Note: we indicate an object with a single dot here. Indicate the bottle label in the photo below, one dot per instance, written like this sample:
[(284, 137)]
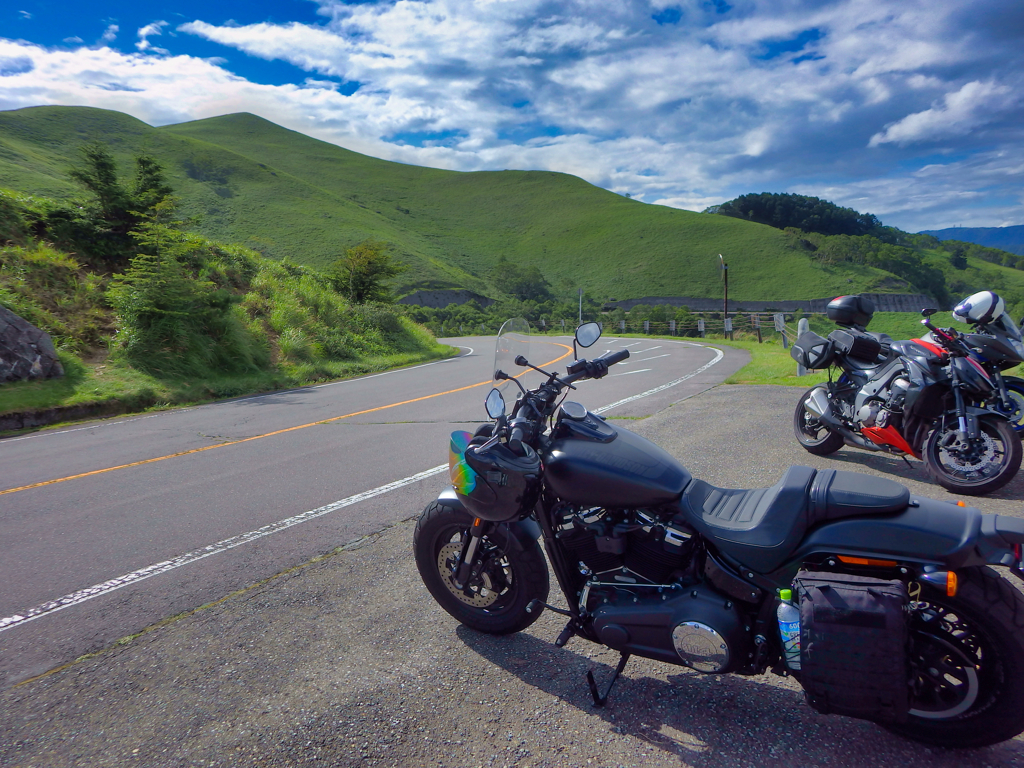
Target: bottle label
[(790, 633)]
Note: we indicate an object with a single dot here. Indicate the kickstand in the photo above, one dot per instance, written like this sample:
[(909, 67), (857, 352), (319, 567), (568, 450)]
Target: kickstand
[(599, 700)]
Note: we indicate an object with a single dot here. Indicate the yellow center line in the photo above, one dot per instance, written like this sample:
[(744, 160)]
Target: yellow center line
[(268, 434)]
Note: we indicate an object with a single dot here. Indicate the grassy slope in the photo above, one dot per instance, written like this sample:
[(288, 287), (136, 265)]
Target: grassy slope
[(292, 196)]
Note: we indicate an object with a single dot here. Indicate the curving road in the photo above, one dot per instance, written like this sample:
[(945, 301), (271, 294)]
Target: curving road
[(111, 526)]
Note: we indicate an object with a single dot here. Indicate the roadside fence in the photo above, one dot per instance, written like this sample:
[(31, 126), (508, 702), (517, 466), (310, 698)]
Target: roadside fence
[(763, 327)]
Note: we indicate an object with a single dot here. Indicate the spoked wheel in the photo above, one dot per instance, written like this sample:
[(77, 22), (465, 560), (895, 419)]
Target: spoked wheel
[(973, 466), (814, 436), (510, 572), (966, 662)]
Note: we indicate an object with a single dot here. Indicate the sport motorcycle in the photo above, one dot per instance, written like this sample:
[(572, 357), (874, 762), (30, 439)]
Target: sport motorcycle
[(884, 606), (995, 342), (929, 398)]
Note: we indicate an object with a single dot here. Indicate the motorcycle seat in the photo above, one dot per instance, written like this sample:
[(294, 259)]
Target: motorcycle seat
[(762, 527)]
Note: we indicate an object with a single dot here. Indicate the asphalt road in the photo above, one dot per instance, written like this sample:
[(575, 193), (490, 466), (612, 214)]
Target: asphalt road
[(348, 662), (111, 526)]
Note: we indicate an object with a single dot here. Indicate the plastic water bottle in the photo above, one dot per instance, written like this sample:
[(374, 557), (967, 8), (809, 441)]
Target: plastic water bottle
[(789, 628)]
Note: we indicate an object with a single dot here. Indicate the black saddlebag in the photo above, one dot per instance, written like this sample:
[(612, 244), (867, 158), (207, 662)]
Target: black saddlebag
[(855, 344), (813, 352), (853, 645)]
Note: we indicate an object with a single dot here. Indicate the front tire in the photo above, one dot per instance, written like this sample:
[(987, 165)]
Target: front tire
[(512, 571), (984, 465), (967, 664), (814, 436)]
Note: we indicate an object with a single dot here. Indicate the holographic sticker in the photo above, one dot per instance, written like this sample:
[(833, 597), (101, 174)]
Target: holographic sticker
[(462, 475)]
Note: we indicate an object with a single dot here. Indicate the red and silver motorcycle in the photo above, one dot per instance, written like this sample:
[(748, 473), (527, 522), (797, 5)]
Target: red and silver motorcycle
[(929, 398)]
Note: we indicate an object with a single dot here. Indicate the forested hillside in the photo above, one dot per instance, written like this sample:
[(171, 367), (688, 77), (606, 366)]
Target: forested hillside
[(832, 235)]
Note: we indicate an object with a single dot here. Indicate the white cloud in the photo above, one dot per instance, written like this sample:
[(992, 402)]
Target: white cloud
[(110, 33), (975, 104), (150, 30)]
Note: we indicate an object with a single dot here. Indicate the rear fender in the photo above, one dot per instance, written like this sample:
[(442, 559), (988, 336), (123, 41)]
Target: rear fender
[(927, 531), (524, 533)]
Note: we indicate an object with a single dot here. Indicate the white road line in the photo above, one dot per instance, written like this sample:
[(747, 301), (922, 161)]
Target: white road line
[(718, 356), (156, 569), (644, 360), (644, 351), (5, 441), (627, 373)]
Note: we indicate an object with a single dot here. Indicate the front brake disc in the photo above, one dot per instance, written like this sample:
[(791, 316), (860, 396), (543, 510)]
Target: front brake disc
[(476, 594)]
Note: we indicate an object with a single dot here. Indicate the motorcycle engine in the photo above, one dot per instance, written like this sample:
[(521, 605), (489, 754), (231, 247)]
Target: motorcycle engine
[(628, 546), (645, 592), (879, 412)]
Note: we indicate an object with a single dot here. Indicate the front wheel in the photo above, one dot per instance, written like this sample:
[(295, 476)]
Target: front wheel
[(814, 436), (973, 466), (966, 663), (510, 571)]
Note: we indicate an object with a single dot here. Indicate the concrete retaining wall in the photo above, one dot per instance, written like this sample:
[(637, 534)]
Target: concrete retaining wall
[(440, 299), (884, 302)]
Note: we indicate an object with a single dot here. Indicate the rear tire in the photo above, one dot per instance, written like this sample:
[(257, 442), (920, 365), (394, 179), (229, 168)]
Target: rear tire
[(986, 465), (814, 436), (512, 572), (967, 663)]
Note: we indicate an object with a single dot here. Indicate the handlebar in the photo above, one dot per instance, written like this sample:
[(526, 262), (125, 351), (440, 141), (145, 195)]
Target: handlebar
[(948, 337), (615, 357), (540, 402), (596, 368)]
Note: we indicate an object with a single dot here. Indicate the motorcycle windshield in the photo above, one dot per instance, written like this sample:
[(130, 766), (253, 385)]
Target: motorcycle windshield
[(1006, 325), (513, 340)]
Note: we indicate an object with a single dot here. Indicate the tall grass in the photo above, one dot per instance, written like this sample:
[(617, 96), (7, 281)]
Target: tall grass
[(52, 291), (190, 320)]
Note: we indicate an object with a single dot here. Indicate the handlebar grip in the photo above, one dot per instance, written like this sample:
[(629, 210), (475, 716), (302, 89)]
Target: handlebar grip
[(515, 441), (615, 357)]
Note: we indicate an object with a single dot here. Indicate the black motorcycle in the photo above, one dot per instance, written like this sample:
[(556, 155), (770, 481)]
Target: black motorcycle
[(928, 398), (882, 605)]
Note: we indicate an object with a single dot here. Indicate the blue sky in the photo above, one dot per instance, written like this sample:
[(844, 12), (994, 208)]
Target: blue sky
[(910, 110)]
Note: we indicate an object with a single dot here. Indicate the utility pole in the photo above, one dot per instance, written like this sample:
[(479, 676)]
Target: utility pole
[(725, 277)]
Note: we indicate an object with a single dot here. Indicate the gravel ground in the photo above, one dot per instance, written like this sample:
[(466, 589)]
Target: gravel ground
[(347, 661)]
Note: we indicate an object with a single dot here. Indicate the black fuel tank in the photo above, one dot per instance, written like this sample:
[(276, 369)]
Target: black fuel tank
[(627, 471)]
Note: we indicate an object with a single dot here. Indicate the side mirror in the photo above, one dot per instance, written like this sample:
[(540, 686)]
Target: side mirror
[(495, 404), (587, 334), (928, 312)]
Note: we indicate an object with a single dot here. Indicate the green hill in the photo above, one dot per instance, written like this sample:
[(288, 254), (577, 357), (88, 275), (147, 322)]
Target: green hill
[(243, 179)]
